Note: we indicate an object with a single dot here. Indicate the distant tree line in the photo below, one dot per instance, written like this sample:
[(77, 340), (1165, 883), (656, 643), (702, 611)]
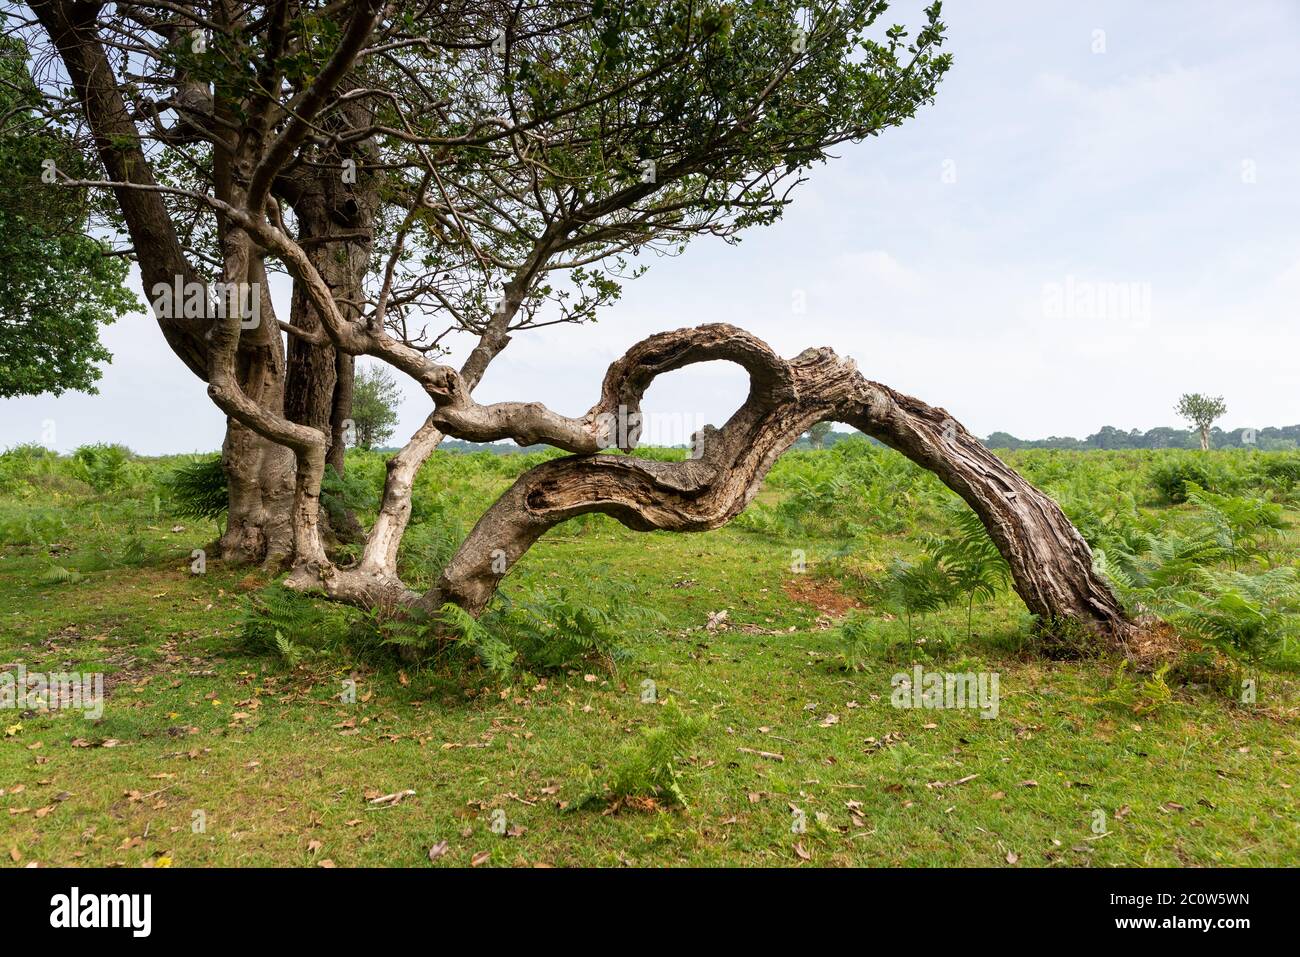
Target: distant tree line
[(1109, 437)]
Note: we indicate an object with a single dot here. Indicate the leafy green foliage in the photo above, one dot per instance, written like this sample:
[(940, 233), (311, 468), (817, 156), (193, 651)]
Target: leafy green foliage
[(817, 434), (555, 628), (1146, 696), (375, 399), (451, 636), (1250, 618), (58, 575), (1201, 411), (647, 767), (280, 621), (1172, 476), (57, 283), (341, 494), (103, 467), (197, 488), (851, 489), (915, 588), (866, 638), (1244, 525), (972, 563)]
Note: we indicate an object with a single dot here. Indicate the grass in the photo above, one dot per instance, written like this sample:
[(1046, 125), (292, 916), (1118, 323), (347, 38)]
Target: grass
[(280, 771)]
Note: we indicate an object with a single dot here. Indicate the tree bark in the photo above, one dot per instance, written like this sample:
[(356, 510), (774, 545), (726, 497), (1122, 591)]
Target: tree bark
[(335, 225), (1051, 564), (260, 477)]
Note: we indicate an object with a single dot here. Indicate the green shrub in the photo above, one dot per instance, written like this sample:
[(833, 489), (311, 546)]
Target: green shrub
[(866, 638), (968, 557), (1171, 476), (197, 488), (350, 492), (1244, 525), (915, 588), (102, 466), (555, 629), (1250, 618)]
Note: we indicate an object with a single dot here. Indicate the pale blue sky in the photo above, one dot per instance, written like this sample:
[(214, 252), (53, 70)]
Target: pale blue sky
[(1162, 174)]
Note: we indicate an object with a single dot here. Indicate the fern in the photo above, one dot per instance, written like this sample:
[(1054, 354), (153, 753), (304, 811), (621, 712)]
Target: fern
[(58, 575), (1243, 525), (341, 494), (278, 618), (864, 639), (972, 563), (917, 588), (290, 652), (477, 637), (1250, 618), (197, 488), (1161, 568), (556, 629), (101, 466), (648, 766)]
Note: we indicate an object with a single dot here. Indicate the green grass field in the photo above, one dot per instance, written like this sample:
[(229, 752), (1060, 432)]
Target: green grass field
[(780, 740)]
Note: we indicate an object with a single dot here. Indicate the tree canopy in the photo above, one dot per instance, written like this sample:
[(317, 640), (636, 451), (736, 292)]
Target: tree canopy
[(1201, 411), (375, 399), (57, 284)]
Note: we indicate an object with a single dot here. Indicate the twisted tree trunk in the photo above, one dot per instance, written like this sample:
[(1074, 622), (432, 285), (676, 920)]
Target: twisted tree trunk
[(1051, 565), (335, 218)]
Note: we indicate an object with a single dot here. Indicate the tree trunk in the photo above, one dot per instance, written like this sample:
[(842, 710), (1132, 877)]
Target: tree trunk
[(1051, 564), (336, 219), (1205, 438), (259, 472), (335, 225), (260, 476)]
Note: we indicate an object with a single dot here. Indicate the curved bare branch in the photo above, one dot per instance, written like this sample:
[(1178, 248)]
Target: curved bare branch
[(1051, 564)]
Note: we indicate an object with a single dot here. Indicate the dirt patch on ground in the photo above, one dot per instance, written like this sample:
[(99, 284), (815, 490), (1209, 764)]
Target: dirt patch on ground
[(1154, 643), (824, 594)]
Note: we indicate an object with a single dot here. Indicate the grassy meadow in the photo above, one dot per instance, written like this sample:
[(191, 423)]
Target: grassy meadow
[(659, 699)]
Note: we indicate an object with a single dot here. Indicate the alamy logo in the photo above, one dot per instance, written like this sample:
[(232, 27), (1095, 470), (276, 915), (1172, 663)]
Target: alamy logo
[(193, 300), (103, 910), (66, 690), (936, 689)]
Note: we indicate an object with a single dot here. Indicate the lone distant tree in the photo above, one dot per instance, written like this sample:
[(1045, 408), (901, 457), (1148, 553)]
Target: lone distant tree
[(1201, 411), (817, 434), (375, 398)]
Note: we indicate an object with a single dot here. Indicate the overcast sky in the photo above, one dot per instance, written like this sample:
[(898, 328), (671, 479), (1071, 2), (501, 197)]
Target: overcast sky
[(1099, 213)]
